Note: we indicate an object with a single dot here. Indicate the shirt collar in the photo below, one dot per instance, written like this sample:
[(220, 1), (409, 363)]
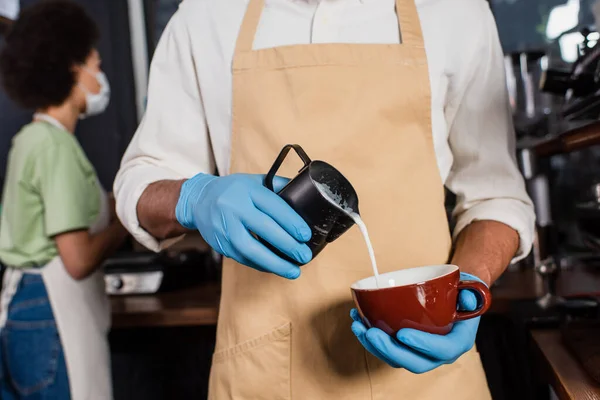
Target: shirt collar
[(51, 120), (317, 1)]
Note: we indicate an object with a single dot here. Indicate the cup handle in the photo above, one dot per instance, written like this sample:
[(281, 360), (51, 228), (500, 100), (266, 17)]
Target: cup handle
[(286, 149), (483, 293)]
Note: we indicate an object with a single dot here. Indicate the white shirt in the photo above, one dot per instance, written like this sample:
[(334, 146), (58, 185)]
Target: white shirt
[(187, 125)]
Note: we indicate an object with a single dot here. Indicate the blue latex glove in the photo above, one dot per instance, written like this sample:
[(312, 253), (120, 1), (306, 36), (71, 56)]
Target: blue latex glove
[(419, 351), (226, 210)]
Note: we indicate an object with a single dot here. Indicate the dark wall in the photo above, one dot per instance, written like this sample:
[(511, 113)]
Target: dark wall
[(12, 118), (103, 137)]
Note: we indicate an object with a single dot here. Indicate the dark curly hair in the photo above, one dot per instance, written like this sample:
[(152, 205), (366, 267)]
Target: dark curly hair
[(41, 48)]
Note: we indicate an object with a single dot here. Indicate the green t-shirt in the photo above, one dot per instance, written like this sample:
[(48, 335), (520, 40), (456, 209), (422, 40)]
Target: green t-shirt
[(50, 188)]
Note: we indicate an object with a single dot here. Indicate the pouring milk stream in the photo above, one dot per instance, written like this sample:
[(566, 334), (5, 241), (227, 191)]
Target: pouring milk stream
[(337, 201)]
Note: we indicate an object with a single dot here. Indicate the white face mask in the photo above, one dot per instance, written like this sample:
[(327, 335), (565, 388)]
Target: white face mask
[(96, 103)]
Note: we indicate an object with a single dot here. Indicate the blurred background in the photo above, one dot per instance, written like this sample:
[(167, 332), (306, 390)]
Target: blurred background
[(163, 331)]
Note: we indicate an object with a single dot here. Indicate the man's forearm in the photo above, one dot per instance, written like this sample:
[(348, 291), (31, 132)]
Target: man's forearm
[(485, 248), (156, 209)]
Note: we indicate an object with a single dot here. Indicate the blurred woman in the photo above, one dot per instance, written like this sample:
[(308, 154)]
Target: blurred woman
[(57, 224)]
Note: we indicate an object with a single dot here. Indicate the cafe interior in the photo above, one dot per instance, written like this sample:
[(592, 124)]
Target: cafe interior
[(540, 338)]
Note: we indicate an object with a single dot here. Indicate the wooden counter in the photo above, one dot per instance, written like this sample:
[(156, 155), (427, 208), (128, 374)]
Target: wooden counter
[(561, 370), (194, 306), (199, 305)]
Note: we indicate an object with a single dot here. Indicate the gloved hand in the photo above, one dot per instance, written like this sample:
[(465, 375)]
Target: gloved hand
[(418, 351), (225, 210)]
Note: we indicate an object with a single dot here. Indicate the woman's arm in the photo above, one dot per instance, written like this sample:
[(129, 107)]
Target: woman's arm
[(67, 189), (82, 252)]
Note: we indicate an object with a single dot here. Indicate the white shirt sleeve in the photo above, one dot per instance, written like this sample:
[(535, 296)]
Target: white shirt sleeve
[(484, 174), (9, 9), (172, 140)]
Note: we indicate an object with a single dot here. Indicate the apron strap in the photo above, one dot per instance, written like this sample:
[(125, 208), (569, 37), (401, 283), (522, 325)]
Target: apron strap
[(406, 11), (247, 33), (410, 23), (10, 284)]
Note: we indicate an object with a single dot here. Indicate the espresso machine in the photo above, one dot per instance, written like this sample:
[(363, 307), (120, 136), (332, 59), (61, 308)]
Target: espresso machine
[(557, 118), (556, 114), (135, 271)]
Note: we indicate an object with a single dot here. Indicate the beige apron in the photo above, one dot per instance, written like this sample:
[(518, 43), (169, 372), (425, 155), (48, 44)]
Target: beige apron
[(82, 313), (364, 108)]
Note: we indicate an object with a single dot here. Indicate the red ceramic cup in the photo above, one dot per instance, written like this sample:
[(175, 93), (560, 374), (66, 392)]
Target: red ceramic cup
[(423, 298)]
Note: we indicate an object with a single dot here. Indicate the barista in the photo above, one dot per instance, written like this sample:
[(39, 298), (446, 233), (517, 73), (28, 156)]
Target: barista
[(402, 99), (57, 224)]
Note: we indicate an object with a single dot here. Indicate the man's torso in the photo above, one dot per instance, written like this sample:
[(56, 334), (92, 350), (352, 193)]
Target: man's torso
[(213, 27)]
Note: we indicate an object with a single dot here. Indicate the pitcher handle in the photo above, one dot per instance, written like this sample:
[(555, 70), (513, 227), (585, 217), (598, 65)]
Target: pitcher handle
[(271, 174)]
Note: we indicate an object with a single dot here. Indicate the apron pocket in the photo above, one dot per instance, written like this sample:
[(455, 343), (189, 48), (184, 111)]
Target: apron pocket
[(258, 369)]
